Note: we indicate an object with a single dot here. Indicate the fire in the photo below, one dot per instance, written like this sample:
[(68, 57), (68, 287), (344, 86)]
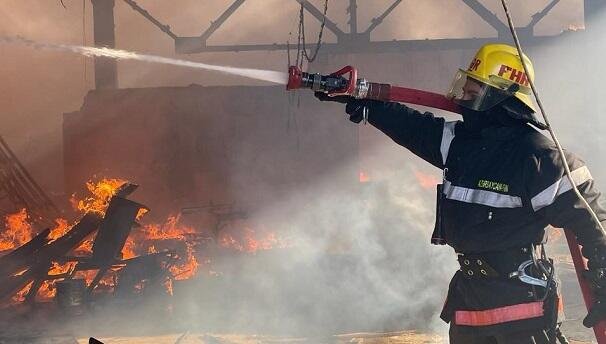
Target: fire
[(364, 177), (59, 269), (140, 213), (20, 295), (178, 239), (426, 181), (18, 231), (188, 269), (172, 229), (61, 228), (128, 251), (86, 248), (101, 192), (250, 244), (47, 290)]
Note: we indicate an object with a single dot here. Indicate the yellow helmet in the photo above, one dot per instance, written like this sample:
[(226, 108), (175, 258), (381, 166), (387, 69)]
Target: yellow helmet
[(495, 74)]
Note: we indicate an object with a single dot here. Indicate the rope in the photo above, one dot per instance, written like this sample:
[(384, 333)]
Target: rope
[(544, 114)]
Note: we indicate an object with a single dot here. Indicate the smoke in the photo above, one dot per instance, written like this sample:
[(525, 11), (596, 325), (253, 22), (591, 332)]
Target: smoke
[(571, 86), (360, 261)]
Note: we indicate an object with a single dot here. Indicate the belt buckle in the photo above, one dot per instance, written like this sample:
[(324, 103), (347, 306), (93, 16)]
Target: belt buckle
[(525, 278)]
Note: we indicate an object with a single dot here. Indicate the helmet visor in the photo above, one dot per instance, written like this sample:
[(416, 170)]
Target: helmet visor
[(477, 95)]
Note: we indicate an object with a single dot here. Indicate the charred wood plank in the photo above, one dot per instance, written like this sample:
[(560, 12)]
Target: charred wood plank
[(114, 230), (24, 255), (97, 278), (33, 291), (44, 257), (12, 284), (126, 189), (87, 225), (119, 218)]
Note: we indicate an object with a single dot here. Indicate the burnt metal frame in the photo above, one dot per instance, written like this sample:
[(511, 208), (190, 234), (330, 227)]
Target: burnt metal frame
[(353, 41), (22, 191)]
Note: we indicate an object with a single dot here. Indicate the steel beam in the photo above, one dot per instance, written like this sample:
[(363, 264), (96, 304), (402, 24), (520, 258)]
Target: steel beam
[(106, 69), (374, 22), (353, 16), (152, 19), (354, 41), (540, 15), (488, 16), (190, 45), (215, 25), (332, 26)]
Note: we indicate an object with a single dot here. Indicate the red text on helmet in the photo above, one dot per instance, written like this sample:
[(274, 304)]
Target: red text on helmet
[(474, 64), (515, 75)]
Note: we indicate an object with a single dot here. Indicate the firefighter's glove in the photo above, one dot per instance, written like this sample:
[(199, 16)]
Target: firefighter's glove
[(354, 107), (324, 97), (597, 280), (596, 314)]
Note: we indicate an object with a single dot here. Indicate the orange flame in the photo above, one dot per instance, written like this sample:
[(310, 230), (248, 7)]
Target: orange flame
[(426, 181), (85, 248), (61, 228), (142, 241), (48, 290), (251, 244), (101, 192), (171, 229), (128, 251), (18, 231), (364, 177), (21, 294)]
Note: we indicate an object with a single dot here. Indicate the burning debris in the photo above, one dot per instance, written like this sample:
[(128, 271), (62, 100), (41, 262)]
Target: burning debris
[(107, 250)]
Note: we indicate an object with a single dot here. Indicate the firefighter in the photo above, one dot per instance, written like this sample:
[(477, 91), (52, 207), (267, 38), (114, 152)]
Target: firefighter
[(504, 183)]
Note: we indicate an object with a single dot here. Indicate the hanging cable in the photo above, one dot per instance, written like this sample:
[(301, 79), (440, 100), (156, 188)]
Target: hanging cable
[(546, 120), (301, 44)]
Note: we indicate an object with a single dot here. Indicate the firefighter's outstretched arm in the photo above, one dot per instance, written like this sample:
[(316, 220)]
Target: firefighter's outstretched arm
[(421, 133), (552, 197)]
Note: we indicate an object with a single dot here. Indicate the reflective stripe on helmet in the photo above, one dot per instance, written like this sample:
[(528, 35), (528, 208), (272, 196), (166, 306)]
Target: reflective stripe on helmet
[(447, 135), (499, 315), (484, 197), (549, 195)]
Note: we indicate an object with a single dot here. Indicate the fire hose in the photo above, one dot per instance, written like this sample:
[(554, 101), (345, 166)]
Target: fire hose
[(336, 84)]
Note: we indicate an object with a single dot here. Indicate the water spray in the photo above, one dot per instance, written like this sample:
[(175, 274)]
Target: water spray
[(256, 74)]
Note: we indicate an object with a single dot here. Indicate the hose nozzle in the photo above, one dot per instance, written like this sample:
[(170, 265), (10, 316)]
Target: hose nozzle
[(334, 83)]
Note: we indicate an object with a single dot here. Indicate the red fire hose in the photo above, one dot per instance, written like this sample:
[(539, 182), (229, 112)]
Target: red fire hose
[(336, 84)]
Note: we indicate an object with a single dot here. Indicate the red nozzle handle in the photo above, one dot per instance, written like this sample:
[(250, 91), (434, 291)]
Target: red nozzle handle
[(351, 85), (295, 77)]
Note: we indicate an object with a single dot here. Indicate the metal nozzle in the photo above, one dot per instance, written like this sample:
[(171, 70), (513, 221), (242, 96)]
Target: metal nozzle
[(317, 82)]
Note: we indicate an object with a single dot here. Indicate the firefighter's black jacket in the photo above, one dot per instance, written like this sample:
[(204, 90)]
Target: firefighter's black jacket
[(503, 185)]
